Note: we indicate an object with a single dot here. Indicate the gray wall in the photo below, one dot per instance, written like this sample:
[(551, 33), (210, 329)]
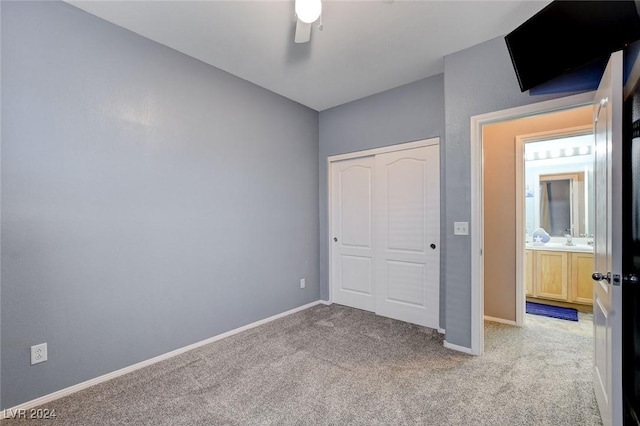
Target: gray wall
[(407, 113), (477, 80), (149, 201)]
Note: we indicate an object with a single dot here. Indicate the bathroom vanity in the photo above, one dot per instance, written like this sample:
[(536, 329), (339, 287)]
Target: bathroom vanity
[(561, 273)]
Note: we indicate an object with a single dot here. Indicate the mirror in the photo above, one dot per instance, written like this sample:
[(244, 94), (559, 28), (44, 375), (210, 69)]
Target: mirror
[(561, 204), (559, 186)]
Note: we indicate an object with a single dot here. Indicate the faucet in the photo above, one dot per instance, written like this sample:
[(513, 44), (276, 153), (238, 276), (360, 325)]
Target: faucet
[(569, 237), (589, 238)]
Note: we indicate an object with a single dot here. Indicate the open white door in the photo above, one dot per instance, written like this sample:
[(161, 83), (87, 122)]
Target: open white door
[(407, 200), (607, 300)]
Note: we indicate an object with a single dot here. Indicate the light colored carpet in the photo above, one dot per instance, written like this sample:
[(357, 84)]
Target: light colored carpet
[(332, 365)]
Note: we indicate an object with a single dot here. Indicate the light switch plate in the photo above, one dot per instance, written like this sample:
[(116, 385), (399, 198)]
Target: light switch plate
[(460, 228)]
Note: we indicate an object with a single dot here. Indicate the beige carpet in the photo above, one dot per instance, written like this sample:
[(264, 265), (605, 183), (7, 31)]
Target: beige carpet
[(332, 365)]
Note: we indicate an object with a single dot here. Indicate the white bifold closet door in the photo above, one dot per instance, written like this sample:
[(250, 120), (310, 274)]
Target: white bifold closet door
[(386, 230)]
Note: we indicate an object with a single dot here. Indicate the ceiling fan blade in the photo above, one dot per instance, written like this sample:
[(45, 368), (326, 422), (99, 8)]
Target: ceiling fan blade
[(303, 32)]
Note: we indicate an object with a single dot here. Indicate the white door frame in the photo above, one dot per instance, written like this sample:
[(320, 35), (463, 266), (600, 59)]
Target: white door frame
[(365, 153), (477, 197), (520, 172)]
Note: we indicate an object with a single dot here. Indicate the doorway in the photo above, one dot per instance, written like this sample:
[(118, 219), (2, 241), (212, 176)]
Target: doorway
[(384, 210), (508, 198), (555, 203), (478, 215)]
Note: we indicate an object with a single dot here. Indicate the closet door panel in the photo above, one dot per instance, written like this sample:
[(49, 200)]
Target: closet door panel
[(352, 232), (407, 235)]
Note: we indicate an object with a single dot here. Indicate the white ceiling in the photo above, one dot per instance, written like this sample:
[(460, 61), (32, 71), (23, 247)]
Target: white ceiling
[(366, 46)]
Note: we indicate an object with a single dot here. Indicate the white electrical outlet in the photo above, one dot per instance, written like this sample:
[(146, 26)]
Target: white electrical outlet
[(303, 283), (460, 228), (38, 353)]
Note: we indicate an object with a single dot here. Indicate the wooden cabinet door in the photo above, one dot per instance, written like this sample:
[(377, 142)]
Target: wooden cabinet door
[(581, 282), (551, 273), (528, 272)]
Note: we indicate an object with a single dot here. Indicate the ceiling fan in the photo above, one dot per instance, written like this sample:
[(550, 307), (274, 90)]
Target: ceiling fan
[(307, 12)]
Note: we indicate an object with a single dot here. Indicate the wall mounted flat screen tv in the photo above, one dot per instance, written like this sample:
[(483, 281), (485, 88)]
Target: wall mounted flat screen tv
[(566, 35)]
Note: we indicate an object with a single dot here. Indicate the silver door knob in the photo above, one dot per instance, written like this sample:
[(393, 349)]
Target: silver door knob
[(597, 276)]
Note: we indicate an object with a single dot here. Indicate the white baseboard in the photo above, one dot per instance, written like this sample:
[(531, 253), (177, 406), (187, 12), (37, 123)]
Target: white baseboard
[(442, 331), (458, 348), (325, 302), (80, 386), (500, 320)]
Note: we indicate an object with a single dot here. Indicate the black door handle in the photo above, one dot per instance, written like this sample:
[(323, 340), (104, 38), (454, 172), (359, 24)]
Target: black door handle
[(597, 276), (433, 246)]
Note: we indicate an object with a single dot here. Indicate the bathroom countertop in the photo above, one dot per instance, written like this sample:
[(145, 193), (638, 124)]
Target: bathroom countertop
[(580, 248)]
